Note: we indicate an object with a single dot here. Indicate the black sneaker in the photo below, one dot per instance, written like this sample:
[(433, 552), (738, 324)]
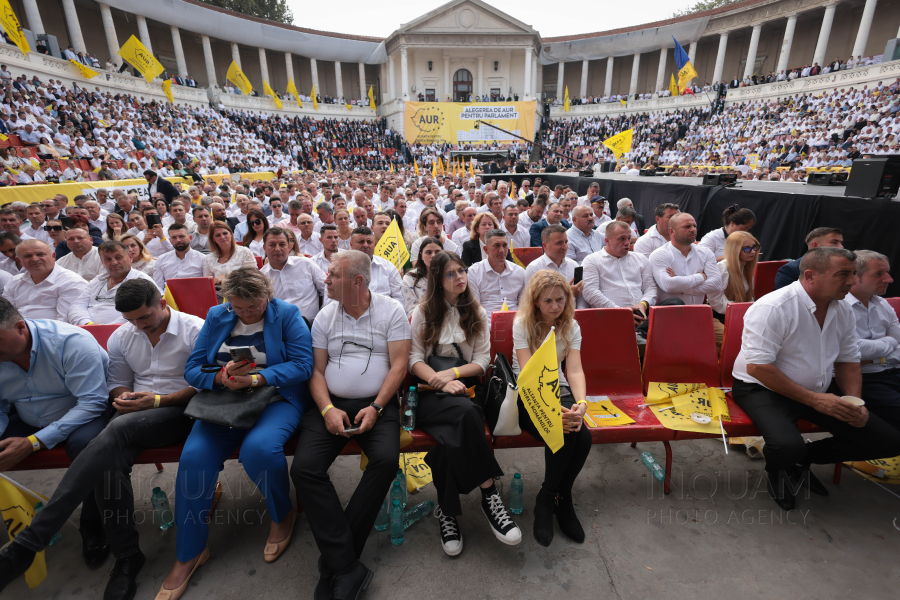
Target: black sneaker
[(501, 523), (451, 537), (14, 561)]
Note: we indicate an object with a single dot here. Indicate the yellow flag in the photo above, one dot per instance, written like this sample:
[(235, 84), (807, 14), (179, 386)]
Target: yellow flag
[(624, 103), (237, 77), (292, 90), (3, 137), (348, 105), (392, 167), (170, 299), (167, 90), (620, 143), (86, 72), (329, 164), (433, 168), (17, 505), (566, 100), (391, 246), (505, 307), (315, 102), (371, 98), (12, 28), (514, 257), (416, 165), (140, 58), (267, 90), (472, 167), (539, 391), (673, 87)]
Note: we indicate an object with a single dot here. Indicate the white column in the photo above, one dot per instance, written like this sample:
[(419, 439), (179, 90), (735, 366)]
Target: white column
[(661, 71), (339, 79), (112, 40), (479, 86), (607, 85), (33, 15), (561, 68), (179, 51), (785, 55), (585, 64), (751, 51), (824, 34), (144, 33), (692, 53), (391, 91), (314, 69), (865, 25), (236, 55), (635, 68), (363, 88), (208, 59), (264, 67), (448, 85), (404, 73), (76, 39), (720, 58), (289, 68), (526, 89), (534, 80)]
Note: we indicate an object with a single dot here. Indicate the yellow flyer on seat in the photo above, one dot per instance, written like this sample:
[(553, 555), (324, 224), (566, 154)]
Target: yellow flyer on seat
[(673, 419), (604, 413), (664, 392), (674, 403)]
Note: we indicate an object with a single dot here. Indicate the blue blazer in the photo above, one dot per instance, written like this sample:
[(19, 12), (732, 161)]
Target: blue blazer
[(288, 350)]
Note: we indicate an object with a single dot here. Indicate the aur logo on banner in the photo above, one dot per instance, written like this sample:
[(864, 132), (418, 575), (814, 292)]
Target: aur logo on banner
[(428, 120)]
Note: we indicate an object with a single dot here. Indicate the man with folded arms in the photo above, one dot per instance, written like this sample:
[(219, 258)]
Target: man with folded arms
[(54, 374), (496, 280), (96, 304), (295, 279), (795, 341), (183, 262), (361, 346), (148, 392), (45, 290), (84, 259)]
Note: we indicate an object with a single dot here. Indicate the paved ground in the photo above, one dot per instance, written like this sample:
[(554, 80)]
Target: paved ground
[(718, 535)]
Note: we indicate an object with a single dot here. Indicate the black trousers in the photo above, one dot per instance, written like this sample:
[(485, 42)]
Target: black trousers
[(881, 391), (341, 534), (462, 459), (776, 417), (560, 469)]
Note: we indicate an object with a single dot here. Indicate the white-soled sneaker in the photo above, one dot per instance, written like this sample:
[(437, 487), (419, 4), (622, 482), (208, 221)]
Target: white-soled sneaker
[(451, 536), (502, 524)]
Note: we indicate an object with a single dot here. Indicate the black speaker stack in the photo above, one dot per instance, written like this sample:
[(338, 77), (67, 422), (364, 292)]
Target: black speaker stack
[(724, 179), (875, 177)]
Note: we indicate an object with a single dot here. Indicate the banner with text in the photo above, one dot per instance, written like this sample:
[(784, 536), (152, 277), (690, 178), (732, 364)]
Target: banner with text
[(460, 122)]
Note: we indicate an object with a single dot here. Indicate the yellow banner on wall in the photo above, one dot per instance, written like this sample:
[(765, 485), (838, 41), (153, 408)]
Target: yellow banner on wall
[(458, 122)]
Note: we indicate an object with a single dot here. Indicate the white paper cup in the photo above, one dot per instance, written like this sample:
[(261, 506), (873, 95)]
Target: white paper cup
[(854, 400)]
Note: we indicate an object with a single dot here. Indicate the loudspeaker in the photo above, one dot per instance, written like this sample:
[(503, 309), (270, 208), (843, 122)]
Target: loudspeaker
[(647, 173), (606, 166), (877, 177), (719, 179), (817, 178)]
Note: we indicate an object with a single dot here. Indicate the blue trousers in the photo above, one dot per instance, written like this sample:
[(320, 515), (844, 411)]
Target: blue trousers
[(204, 455)]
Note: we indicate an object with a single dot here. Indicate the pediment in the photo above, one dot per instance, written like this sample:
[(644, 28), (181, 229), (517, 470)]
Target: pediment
[(466, 16)]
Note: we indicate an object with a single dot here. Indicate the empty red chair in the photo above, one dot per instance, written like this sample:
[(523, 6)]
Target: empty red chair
[(764, 277), (681, 346), (527, 255), (14, 139), (731, 342), (193, 295), (501, 334), (101, 333), (895, 304)]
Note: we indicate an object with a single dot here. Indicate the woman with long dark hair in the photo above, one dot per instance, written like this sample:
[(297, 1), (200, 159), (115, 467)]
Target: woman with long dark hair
[(257, 224), (415, 282)]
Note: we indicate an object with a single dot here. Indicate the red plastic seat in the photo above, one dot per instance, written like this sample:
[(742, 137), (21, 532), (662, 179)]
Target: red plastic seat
[(731, 343), (501, 334), (14, 140), (681, 346), (101, 333), (895, 304), (193, 295), (764, 277), (259, 262), (527, 255)]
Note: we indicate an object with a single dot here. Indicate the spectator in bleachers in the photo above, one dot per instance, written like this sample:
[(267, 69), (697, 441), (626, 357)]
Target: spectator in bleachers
[(385, 279), (584, 239), (737, 269), (295, 279), (224, 256), (548, 302), (450, 324), (200, 237), (45, 290), (141, 259), (83, 258), (56, 232), (307, 239), (10, 262), (820, 237), (555, 242), (496, 280), (431, 224), (415, 282), (795, 340), (115, 227), (159, 185), (734, 219), (182, 262), (657, 236), (473, 250), (879, 336)]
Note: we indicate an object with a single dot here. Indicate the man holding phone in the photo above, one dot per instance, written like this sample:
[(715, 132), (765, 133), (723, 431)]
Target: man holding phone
[(155, 236)]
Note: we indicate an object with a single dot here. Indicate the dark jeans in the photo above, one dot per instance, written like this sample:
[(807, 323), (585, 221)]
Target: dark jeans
[(642, 328), (881, 391), (776, 417), (102, 472), (77, 441), (341, 534)]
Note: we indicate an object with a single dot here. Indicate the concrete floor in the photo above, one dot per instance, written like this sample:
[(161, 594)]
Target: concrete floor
[(717, 535)]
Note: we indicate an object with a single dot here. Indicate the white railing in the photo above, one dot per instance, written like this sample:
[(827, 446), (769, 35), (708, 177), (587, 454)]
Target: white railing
[(267, 104)]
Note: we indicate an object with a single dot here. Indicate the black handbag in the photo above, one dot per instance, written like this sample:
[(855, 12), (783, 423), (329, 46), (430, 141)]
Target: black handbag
[(445, 363), (237, 409), (501, 399)]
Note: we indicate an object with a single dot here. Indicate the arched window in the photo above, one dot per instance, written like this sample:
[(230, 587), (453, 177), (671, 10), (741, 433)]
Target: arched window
[(462, 85)]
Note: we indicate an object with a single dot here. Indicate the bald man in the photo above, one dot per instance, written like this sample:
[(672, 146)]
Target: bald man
[(45, 290)]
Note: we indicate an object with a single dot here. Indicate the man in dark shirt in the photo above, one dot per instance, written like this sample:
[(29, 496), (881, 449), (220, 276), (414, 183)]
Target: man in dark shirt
[(819, 237)]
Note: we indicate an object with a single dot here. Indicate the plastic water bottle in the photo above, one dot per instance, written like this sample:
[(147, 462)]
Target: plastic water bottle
[(421, 510), (396, 523), (516, 490), (650, 462), (38, 508), (409, 410), (382, 520), (160, 503), (404, 491)]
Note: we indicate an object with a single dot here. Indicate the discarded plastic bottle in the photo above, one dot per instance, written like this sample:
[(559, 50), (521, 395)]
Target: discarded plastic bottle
[(382, 520), (404, 498), (160, 503), (420, 510), (396, 523), (516, 490), (650, 462), (409, 409), (38, 508)]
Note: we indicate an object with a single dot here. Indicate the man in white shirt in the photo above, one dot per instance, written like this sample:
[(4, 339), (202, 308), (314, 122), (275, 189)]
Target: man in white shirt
[(519, 237), (295, 279), (95, 214), (385, 276), (879, 336), (658, 235), (45, 290), (555, 242), (496, 281), (200, 237), (183, 262), (328, 235), (584, 240), (83, 259), (795, 340), (96, 304), (307, 240), (36, 220)]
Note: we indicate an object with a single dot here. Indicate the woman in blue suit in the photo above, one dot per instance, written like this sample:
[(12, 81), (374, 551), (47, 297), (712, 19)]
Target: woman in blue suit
[(282, 351)]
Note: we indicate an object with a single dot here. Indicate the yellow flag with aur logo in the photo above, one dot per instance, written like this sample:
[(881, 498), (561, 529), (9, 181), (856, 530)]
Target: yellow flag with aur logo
[(17, 507), (237, 77), (539, 391), (620, 143), (268, 91), (292, 90), (167, 90), (86, 72), (137, 55), (12, 27), (392, 248)]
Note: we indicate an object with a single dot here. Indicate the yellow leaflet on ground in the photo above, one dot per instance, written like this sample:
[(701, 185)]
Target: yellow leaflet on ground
[(663, 392), (17, 507), (405, 440), (891, 468), (418, 474), (673, 419), (606, 414)]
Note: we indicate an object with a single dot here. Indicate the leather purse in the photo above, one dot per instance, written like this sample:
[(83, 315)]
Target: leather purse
[(237, 409), (444, 363), (501, 408)]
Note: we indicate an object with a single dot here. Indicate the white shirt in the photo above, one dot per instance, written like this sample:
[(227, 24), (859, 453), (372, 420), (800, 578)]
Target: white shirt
[(386, 279), (581, 246), (714, 241), (649, 242), (449, 246), (49, 299), (310, 246), (169, 266), (141, 367), (88, 266), (520, 239), (9, 265), (520, 342), (718, 300), (879, 332), (611, 282), (491, 288), (781, 329), (688, 283), (97, 304), (323, 263), (566, 269), (300, 282)]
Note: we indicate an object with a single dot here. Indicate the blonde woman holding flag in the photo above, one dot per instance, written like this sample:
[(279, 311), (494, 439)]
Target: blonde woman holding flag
[(548, 304)]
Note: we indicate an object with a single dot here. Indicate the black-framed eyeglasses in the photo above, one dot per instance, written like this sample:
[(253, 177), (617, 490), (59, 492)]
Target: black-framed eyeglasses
[(749, 249), (53, 227)]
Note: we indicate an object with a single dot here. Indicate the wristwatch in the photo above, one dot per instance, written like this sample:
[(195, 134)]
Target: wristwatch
[(378, 409)]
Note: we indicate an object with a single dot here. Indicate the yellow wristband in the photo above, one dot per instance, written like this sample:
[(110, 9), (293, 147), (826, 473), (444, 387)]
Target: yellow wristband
[(882, 360), (456, 370), (35, 444), (254, 381), (327, 408), (581, 402), (156, 400)]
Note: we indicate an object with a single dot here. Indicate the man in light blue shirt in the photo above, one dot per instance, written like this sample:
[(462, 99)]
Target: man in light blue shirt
[(54, 374)]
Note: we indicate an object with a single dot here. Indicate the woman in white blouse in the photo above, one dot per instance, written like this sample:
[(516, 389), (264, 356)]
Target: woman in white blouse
[(450, 324), (257, 224), (224, 256), (415, 283), (738, 267), (342, 219), (734, 219)]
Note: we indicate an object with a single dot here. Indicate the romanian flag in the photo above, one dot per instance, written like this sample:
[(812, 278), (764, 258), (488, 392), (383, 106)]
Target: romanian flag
[(686, 71), (566, 100)]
